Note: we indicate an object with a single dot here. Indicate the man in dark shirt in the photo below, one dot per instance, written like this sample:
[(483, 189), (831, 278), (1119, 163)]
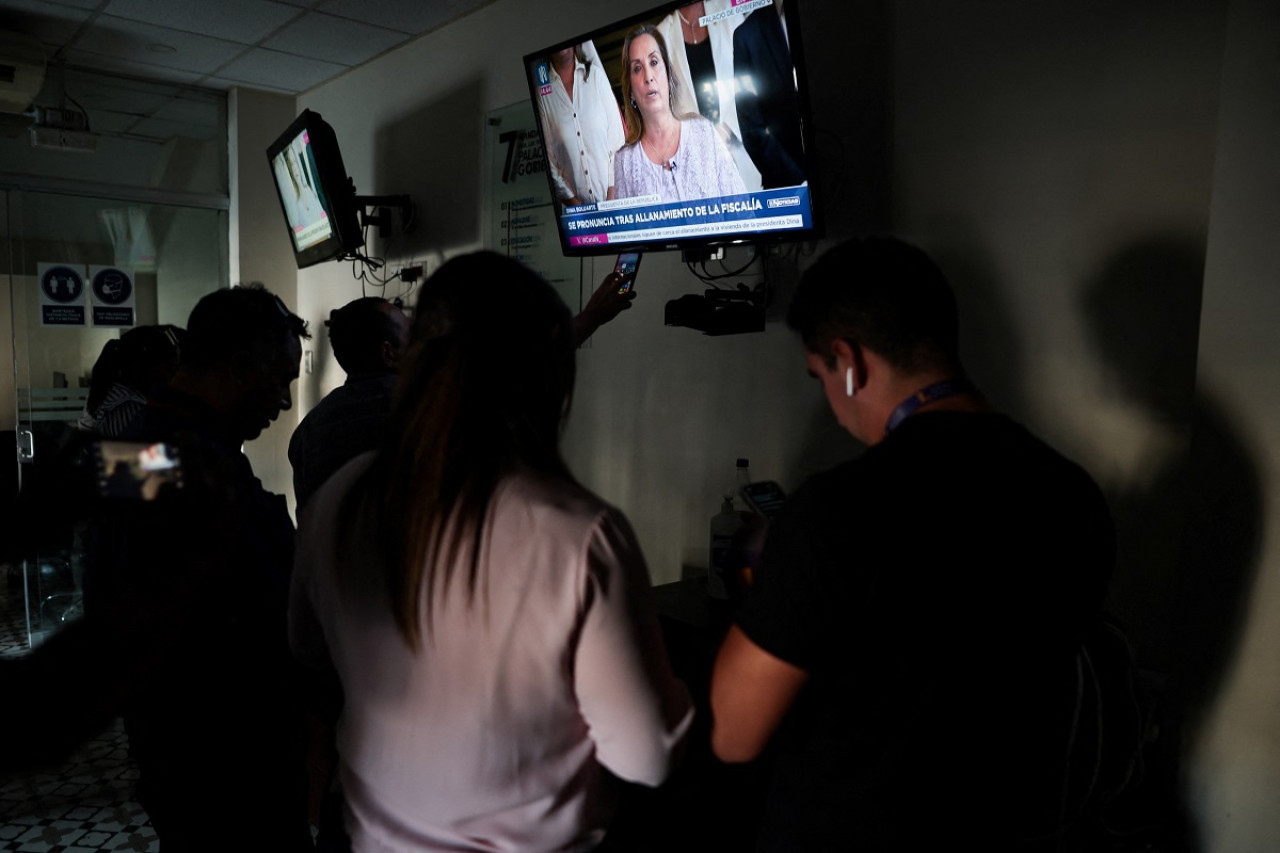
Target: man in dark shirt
[(910, 640), (212, 705), (368, 336)]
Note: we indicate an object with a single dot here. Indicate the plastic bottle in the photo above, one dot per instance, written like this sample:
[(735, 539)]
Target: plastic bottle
[(724, 528), (743, 478)]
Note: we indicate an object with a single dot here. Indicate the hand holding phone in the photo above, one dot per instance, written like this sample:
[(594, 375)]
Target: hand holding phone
[(765, 497), (136, 471), (611, 298), (627, 265)]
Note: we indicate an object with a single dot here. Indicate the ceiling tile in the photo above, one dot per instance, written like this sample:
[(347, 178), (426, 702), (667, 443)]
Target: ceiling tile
[(132, 95), (130, 40), (208, 34), (279, 70), (111, 122), (161, 129), (334, 39), (202, 110), (412, 18), (225, 83), (120, 65), (241, 21)]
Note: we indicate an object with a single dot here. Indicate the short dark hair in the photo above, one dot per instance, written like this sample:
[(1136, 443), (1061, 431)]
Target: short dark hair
[(357, 330), (884, 294), (234, 321)]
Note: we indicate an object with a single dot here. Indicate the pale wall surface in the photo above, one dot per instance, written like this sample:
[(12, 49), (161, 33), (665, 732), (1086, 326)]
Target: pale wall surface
[(1237, 772)]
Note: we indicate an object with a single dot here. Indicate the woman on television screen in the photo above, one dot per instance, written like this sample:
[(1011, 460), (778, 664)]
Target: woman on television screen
[(489, 618), (674, 158)]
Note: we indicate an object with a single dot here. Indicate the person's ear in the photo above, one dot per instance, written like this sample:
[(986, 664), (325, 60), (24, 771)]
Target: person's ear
[(390, 354), (852, 362)]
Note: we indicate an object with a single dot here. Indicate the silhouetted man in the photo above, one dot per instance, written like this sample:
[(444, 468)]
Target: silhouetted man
[(909, 643), (212, 706), (368, 336)]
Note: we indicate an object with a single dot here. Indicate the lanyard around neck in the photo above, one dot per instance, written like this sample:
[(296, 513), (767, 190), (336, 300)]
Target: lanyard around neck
[(936, 391)]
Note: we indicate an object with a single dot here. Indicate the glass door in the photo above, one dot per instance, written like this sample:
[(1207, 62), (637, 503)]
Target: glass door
[(80, 271), (14, 633)]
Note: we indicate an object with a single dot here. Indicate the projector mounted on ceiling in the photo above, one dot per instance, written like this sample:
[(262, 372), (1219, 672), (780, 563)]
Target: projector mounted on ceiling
[(65, 130)]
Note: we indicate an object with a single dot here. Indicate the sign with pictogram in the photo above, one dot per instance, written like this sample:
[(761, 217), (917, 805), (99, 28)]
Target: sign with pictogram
[(112, 296), (61, 294)]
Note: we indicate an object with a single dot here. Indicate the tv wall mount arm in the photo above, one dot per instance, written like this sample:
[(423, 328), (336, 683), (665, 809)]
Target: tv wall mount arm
[(382, 217)]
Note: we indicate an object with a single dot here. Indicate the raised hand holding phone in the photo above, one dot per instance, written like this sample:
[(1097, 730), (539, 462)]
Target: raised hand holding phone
[(611, 298), (627, 265)]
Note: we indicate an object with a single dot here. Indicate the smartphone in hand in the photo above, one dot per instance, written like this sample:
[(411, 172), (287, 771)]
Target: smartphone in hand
[(765, 497), (628, 263), (137, 471)]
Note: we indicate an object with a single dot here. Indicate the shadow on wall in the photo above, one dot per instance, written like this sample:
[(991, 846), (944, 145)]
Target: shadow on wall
[(1189, 533), (434, 153), (990, 348)]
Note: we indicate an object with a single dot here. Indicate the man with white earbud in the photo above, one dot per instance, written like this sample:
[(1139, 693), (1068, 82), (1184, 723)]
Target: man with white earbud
[(909, 645)]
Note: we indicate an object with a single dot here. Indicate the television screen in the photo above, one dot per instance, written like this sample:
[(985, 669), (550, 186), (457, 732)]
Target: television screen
[(315, 193), (682, 127)]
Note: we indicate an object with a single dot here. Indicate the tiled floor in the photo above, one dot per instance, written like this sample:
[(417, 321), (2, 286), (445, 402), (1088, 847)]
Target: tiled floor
[(85, 804)]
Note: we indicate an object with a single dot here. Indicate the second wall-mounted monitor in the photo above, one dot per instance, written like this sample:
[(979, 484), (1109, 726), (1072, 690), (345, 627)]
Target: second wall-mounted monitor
[(315, 192), (684, 127)]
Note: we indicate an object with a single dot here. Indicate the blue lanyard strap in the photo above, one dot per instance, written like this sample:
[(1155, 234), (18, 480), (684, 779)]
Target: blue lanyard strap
[(936, 391)]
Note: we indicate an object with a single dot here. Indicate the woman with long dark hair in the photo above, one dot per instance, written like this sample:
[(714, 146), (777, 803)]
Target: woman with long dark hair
[(489, 619)]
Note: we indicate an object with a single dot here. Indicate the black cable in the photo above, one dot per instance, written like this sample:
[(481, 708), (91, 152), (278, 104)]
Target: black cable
[(372, 264), (711, 278), (83, 111), (1060, 831), (755, 256), (703, 276)]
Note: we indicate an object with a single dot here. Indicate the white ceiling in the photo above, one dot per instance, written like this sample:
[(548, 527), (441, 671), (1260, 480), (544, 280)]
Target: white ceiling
[(286, 46)]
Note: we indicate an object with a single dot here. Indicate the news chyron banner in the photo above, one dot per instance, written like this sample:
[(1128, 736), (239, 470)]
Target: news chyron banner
[(645, 218), (62, 301), (112, 296), (523, 219)]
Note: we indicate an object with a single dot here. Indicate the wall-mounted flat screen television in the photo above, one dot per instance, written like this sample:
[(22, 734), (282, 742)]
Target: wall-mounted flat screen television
[(687, 126), (316, 195)]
